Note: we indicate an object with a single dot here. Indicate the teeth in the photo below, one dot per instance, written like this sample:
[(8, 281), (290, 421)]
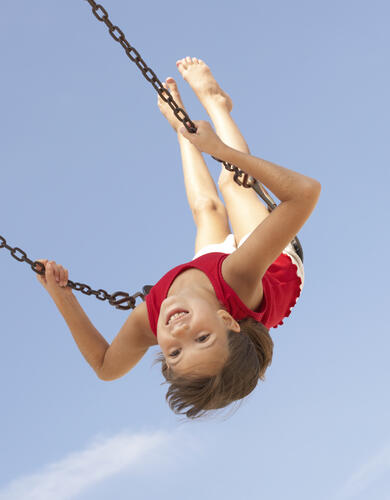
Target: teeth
[(177, 315)]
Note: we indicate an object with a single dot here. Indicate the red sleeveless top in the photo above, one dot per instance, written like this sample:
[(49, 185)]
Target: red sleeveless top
[(281, 286)]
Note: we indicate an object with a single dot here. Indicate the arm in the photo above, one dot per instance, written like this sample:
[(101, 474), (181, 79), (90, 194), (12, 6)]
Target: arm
[(92, 344), (108, 361), (283, 182), (298, 194)]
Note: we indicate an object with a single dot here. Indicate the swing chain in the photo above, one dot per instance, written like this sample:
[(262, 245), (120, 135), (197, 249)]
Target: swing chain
[(117, 34), (248, 181), (121, 300)]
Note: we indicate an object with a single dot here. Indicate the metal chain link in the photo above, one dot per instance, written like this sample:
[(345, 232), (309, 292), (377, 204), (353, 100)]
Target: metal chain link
[(117, 34), (123, 300)]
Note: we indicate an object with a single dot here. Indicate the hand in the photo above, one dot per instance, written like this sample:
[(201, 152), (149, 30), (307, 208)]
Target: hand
[(204, 139), (55, 278)]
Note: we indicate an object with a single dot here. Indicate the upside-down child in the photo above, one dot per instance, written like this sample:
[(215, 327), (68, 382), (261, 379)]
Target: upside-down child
[(210, 316)]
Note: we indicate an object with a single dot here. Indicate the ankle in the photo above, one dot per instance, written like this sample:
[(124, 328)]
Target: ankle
[(216, 103)]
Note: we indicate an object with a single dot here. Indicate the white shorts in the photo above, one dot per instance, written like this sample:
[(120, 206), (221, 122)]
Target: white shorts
[(229, 246)]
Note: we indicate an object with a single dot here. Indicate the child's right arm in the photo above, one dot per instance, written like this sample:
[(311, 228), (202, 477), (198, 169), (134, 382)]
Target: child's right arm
[(108, 361)]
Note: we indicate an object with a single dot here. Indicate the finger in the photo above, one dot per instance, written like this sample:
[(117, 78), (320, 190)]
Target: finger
[(50, 270), (62, 276), (58, 273), (54, 268), (63, 280)]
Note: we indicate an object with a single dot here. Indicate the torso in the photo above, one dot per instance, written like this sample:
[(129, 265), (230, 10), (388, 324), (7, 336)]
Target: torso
[(251, 298)]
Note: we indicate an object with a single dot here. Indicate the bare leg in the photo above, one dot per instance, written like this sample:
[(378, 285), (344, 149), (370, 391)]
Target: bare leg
[(245, 209), (209, 212)]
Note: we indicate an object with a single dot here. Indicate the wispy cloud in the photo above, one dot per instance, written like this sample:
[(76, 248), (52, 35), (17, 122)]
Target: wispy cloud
[(102, 459), (367, 474)]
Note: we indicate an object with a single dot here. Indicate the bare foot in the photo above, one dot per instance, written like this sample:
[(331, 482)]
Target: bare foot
[(165, 109), (199, 76)]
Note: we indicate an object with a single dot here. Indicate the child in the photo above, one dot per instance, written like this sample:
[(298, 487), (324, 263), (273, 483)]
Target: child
[(209, 316)]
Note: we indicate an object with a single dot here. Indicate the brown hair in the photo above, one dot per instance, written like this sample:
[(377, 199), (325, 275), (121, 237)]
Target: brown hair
[(250, 353)]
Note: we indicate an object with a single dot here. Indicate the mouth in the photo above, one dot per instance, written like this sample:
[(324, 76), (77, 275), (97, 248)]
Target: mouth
[(171, 318)]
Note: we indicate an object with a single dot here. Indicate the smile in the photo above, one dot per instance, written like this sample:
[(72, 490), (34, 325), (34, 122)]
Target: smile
[(175, 315)]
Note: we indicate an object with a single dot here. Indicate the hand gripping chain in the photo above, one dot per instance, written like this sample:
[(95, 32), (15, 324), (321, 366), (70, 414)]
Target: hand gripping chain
[(123, 300)]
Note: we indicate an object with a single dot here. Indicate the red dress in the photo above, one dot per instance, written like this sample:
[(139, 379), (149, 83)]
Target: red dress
[(281, 286)]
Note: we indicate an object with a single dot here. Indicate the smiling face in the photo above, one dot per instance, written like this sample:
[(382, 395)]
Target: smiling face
[(196, 342)]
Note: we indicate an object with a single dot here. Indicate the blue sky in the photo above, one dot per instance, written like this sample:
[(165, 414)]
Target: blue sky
[(91, 178)]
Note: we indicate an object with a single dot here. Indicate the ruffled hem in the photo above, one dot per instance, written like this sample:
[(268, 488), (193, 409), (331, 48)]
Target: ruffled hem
[(299, 290)]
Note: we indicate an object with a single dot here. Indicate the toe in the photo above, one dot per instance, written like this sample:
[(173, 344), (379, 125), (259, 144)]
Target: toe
[(172, 85), (173, 90), (195, 60), (189, 60), (181, 65)]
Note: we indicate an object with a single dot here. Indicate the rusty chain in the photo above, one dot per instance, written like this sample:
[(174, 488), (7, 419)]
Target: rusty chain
[(117, 299), (117, 34), (123, 300)]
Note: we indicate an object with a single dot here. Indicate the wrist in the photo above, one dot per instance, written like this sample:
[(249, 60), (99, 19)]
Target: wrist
[(223, 152), (61, 296)]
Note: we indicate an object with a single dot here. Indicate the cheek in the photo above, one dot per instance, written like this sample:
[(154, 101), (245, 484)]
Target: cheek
[(162, 339), (160, 327)]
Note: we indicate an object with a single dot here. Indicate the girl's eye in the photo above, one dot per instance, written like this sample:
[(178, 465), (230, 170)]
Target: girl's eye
[(203, 338), (174, 353)]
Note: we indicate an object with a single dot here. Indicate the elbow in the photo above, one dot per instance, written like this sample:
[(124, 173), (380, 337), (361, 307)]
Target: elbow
[(103, 375), (316, 186), (101, 369), (311, 190), (108, 375)]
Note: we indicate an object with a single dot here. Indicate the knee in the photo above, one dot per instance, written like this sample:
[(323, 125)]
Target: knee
[(225, 181), (205, 206)]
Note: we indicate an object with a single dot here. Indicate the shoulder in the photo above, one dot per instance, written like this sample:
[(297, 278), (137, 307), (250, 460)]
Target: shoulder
[(250, 293), (139, 317)]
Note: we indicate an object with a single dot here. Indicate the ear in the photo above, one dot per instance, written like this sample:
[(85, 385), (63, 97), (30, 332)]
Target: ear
[(229, 321)]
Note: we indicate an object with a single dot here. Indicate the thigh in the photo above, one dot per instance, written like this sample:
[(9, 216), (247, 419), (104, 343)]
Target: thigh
[(245, 209), (212, 226)]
